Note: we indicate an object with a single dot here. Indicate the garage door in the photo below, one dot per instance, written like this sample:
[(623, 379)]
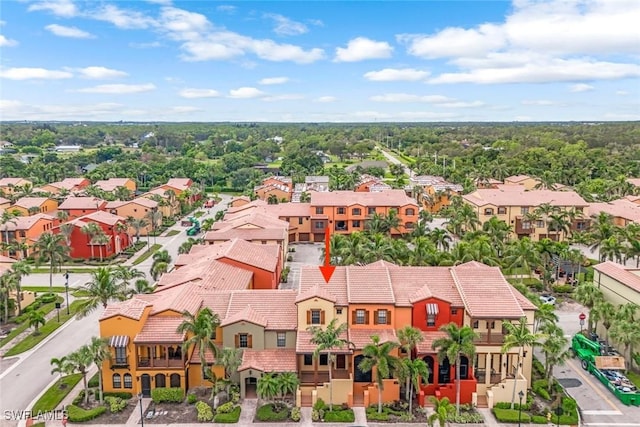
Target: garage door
[(303, 237)]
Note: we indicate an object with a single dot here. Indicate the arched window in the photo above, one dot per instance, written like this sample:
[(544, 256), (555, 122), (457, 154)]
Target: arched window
[(410, 212), (128, 383), (174, 380), (117, 381), (359, 375), (161, 380), (429, 361)]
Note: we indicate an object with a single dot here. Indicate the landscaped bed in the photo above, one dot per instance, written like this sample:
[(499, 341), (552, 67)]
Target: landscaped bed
[(276, 413), (116, 409)]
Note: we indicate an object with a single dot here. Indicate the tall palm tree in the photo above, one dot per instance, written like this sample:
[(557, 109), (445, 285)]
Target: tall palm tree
[(99, 352), (199, 329), (122, 193), (161, 261), (326, 340), (60, 365), (80, 360), (103, 287), (379, 355), (231, 359), (554, 347), (588, 294), (36, 318), (154, 217), (522, 254), (409, 338), (544, 315), (91, 229), (126, 274), (100, 240), (458, 342), (62, 216), (141, 286), (268, 387), (66, 230), (518, 335), (137, 224), (50, 248), (603, 311), (417, 372), (19, 269), (7, 284)]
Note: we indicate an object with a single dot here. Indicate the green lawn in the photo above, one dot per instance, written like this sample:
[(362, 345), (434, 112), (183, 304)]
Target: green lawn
[(44, 289), (172, 233), (76, 270), (142, 258), (47, 329), (54, 395), (198, 214), (634, 377), (44, 309)]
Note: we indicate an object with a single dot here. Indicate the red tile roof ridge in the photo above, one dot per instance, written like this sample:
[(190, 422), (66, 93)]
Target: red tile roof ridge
[(315, 291), (248, 314), (269, 360), (132, 308)]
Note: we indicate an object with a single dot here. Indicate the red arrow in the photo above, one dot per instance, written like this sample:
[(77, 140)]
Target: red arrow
[(327, 269)]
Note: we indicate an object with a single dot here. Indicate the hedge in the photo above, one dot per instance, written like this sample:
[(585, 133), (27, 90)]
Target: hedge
[(121, 394), (76, 414), (266, 413), (510, 415), (205, 413), (94, 381), (339, 416), (228, 418), (173, 395)]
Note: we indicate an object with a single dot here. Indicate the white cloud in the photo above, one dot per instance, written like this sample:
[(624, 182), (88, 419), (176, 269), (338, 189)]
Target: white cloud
[(539, 102), (198, 93), (246, 93), (148, 45), (580, 87), (184, 109), (63, 8), (326, 99), (452, 42), (118, 89), (285, 26), (5, 42), (439, 100), (622, 93), (100, 73), (16, 110), (73, 32), (362, 48), (392, 74), (182, 25), (286, 97), (34, 74), (226, 8), (273, 80), (122, 18)]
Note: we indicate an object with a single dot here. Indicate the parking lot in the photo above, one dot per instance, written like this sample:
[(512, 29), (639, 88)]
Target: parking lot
[(305, 254)]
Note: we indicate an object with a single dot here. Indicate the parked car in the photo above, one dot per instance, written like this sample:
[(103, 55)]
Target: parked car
[(548, 299)]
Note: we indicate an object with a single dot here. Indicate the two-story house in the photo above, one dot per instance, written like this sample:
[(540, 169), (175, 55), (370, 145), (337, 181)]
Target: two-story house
[(76, 207), (34, 205), (26, 230), (138, 208), (111, 240)]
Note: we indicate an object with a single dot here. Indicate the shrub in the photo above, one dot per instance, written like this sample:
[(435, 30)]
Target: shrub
[(125, 395), (339, 416), (225, 408), (563, 289), (466, 418), (94, 381), (295, 414), (539, 419), (173, 395), (510, 415), (540, 388), (266, 413), (319, 404), (191, 398), (76, 414), (205, 413), (516, 406), (116, 404), (373, 415), (47, 298), (79, 398), (538, 367), (228, 418)]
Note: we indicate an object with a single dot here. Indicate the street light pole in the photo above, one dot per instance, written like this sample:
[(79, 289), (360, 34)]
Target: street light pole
[(520, 395), (141, 411), (66, 288)]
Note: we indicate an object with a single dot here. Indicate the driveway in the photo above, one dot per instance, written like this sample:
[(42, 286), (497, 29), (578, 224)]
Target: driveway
[(305, 254)]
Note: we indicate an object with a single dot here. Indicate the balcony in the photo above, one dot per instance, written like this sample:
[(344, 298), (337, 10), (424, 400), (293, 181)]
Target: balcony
[(524, 227), (120, 362), (159, 362), (481, 376), (309, 377), (490, 338)]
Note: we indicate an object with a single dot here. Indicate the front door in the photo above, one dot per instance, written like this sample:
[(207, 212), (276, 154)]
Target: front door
[(145, 380), (341, 361)]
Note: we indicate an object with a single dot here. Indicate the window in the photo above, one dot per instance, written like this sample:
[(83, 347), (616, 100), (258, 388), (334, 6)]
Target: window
[(381, 317), (316, 317), (214, 334), (356, 211), (282, 339), (410, 212), (117, 381), (308, 359), (300, 221), (409, 225), (287, 219), (488, 211), (431, 319), (454, 311), (355, 223), (121, 355), (319, 225), (264, 242), (319, 210), (580, 225), (128, 383), (341, 211), (475, 324), (324, 359), (526, 225), (244, 341), (502, 211), (360, 317), (539, 224), (491, 325), (524, 210), (338, 311), (371, 211)]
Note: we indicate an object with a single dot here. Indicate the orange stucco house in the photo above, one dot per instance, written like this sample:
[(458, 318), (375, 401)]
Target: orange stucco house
[(9, 185), (109, 185), (76, 207), (42, 204), (26, 229), (69, 184), (138, 208)]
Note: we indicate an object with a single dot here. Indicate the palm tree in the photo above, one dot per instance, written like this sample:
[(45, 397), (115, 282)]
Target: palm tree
[(442, 409), (326, 340), (60, 366), (18, 270), (199, 329), (287, 384), (141, 286), (7, 284), (122, 193), (626, 333), (555, 350), (66, 230), (103, 287), (376, 224), (36, 318), (409, 338), (378, 355), (161, 261), (126, 274), (231, 359), (305, 197), (589, 295), (7, 217), (62, 216), (272, 199), (458, 342), (604, 312), (267, 387), (518, 335), (522, 254), (91, 229), (80, 360), (137, 224), (49, 248), (155, 218), (99, 351), (544, 315), (100, 240), (417, 372)]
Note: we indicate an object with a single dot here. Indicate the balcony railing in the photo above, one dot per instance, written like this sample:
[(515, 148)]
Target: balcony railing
[(309, 377), (494, 338), (120, 362), (160, 362)]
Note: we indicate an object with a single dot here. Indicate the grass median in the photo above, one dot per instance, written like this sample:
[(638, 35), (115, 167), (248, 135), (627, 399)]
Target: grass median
[(172, 233), (56, 393), (44, 289), (47, 329), (44, 309), (142, 258)]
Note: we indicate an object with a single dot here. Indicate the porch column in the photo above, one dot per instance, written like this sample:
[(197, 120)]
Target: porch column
[(166, 355), (489, 330), (137, 355), (488, 364), (503, 365), (315, 370), (152, 353)]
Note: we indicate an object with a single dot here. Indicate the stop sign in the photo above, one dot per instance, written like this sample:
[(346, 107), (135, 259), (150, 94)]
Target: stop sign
[(582, 316)]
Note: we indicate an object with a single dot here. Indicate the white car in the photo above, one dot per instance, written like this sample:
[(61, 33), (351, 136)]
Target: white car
[(548, 299)]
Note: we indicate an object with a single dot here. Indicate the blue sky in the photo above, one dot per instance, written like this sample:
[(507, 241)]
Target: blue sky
[(320, 61)]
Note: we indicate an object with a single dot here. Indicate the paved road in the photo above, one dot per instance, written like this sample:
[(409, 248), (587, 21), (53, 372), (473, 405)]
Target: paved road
[(393, 159)]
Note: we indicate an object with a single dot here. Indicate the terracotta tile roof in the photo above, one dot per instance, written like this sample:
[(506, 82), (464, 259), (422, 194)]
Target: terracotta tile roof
[(517, 178), (269, 360), (140, 201), (217, 301), (179, 183), (102, 217), (316, 291), (68, 183), (7, 260), (30, 202), (5, 182), (413, 284), (251, 205), (634, 199), (209, 275), (178, 299), (524, 302), (249, 234), (195, 356), (361, 337), (264, 302), (426, 346), (304, 344), (485, 292), (362, 281), (82, 203), (159, 191), (111, 183), (160, 329), (265, 257), (516, 195), (3, 201), (281, 178), (25, 222), (621, 274), (383, 263), (252, 219), (394, 198), (133, 309), (621, 208), (634, 181), (247, 314), (311, 277), (273, 186)]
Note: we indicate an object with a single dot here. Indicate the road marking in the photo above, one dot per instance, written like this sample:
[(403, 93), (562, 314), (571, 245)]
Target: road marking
[(601, 412), (579, 371)]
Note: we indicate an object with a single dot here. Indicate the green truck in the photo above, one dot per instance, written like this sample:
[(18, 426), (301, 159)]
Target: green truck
[(606, 364)]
